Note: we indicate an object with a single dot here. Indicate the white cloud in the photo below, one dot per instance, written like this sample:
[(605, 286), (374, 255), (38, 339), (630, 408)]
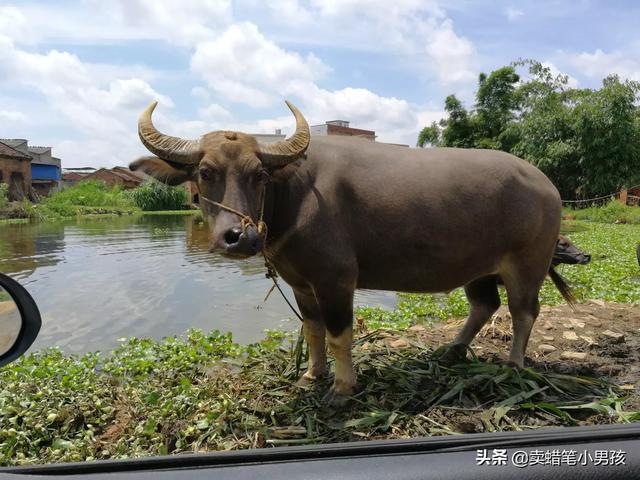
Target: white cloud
[(12, 116), (427, 117), (214, 112), (513, 13), (96, 21), (410, 28), (600, 64), (452, 55), (290, 12), (377, 8), (103, 109), (237, 62), (185, 22), (201, 93), (246, 67), (13, 23), (393, 119)]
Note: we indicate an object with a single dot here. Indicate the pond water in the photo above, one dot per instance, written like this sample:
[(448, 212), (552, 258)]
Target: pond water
[(100, 279)]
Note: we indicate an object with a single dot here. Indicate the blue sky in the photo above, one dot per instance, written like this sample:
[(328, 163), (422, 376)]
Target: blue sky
[(76, 74)]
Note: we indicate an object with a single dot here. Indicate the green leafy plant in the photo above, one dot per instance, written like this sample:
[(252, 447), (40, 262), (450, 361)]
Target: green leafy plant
[(91, 193), (4, 194), (153, 195)]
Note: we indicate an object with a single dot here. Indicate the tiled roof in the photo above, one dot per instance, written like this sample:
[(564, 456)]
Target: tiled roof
[(73, 175), (129, 177), (39, 149), (137, 175), (7, 151)]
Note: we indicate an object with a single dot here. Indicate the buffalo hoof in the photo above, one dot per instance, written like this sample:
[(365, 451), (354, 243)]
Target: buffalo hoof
[(308, 378), (305, 380), (449, 355), (512, 364), (336, 400)]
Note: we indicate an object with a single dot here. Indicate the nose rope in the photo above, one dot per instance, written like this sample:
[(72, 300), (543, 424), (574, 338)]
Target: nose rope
[(245, 220), (261, 227)]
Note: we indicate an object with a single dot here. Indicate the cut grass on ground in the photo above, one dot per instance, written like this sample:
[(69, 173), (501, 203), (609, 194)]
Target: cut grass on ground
[(203, 392)]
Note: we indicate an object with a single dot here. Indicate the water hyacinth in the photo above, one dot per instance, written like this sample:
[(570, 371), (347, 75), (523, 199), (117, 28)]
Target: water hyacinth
[(202, 392)]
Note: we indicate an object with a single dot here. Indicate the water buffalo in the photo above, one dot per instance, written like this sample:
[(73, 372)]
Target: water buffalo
[(567, 252), (346, 213)]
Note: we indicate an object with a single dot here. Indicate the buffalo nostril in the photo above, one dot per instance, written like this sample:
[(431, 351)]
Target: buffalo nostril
[(232, 236)]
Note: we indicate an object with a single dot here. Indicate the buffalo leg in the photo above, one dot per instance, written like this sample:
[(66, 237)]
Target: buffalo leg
[(336, 306), (523, 284), (484, 300), (524, 312), (314, 334), (344, 382)]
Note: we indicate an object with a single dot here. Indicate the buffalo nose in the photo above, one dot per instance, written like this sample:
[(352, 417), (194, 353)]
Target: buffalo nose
[(232, 236), (237, 242), (587, 259)]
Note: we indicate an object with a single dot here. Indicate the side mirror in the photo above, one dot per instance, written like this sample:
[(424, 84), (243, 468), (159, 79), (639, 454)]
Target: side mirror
[(19, 320)]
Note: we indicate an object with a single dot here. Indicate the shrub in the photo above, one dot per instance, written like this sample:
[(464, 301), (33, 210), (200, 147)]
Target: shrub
[(4, 194), (153, 195), (90, 193)]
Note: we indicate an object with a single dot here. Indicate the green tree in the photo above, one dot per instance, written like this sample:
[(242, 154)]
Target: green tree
[(495, 105), (607, 130), (458, 128), (429, 136), (587, 141)]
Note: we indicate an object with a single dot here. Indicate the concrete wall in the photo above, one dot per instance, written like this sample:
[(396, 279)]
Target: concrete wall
[(318, 130), (337, 127), (268, 137)]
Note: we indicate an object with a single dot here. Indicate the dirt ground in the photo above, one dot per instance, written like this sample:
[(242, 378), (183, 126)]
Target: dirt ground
[(597, 339)]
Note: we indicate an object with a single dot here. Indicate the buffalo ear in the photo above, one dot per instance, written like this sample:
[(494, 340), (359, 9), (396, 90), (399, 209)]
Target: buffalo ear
[(162, 171)]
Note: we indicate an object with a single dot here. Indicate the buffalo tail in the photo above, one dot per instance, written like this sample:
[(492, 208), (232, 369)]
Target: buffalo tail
[(562, 287)]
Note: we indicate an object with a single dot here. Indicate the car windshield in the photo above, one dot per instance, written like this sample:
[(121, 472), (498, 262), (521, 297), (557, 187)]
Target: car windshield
[(218, 270)]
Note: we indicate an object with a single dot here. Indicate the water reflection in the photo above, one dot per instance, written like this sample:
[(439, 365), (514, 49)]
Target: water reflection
[(96, 280), (25, 247)]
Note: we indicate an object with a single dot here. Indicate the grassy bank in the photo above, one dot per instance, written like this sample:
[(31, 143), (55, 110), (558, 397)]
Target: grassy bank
[(96, 198), (612, 212), (174, 212)]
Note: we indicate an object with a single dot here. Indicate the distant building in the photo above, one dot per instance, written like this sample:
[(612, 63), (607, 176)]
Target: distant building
[(340, 127), (111, 176), (45, 168), (269, 137), (15, 171)]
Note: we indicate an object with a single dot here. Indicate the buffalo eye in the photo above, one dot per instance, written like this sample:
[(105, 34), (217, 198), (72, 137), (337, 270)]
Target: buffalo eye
[(262, 176), (205, 173)]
